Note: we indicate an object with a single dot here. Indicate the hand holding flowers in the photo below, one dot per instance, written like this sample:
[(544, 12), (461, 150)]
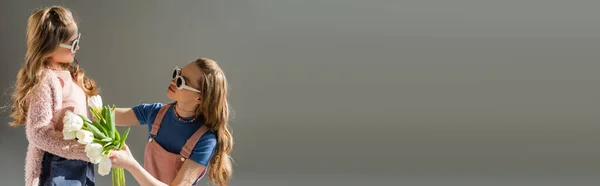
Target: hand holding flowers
[(99, 136)]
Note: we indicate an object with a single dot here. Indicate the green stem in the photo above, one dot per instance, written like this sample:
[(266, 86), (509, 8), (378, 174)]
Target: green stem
[(123, 177), (112, 174), (118, 177)]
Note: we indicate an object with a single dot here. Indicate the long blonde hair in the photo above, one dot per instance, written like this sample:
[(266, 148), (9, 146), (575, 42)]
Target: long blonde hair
[(215, 109), (46, 29)]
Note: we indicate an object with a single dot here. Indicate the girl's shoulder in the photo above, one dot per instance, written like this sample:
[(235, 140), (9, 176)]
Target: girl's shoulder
[(49, 78), (48, 84)]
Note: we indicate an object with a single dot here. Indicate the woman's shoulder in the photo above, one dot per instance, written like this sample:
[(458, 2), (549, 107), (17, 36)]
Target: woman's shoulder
[(209, 136)]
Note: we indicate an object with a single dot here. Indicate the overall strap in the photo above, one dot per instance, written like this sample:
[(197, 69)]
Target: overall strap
[(158, 119), (186, 151)]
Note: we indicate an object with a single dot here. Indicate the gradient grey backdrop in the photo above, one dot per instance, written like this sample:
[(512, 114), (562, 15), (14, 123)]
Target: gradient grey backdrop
[(348, 92)]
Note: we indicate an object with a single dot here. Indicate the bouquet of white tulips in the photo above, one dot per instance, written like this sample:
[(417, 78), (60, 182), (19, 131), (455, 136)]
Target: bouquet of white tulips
[(99, 136)]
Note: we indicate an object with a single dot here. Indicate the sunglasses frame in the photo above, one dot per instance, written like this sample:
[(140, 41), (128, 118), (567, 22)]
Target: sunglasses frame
[(73, 46), (177, 76)]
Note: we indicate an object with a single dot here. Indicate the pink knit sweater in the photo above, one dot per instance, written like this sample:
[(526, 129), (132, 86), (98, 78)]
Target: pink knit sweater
[(42, 127)]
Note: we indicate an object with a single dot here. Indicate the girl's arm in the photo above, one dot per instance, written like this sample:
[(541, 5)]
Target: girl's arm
[(125, 117), (40, 128), (187, 174)]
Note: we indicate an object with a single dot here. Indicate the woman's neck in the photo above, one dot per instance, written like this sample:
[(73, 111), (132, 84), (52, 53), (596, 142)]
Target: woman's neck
[(185, 110)]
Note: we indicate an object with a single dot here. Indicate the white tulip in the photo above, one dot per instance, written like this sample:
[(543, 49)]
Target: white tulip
[(95, 103), (94, 152), (72, 121), (69, 135), (104, 166), (85, 137)]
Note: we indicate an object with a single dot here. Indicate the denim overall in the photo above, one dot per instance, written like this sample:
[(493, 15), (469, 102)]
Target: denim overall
[(59, 171)]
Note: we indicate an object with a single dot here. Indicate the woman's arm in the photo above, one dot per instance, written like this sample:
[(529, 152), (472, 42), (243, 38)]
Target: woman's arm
[(143, 177), (187, 174), (125, 117), (40, 129)]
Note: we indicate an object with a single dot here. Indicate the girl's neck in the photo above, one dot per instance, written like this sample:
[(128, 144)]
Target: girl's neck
[(185, 110), (54, 66)]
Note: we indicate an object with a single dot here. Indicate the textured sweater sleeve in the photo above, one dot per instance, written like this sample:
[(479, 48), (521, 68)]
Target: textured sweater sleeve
[(40, 128)]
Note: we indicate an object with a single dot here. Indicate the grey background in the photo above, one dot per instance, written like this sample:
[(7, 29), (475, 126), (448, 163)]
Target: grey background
[(347, 92)]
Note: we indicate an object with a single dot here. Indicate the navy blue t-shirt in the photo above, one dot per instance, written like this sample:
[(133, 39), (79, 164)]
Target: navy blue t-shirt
[(173, 134)]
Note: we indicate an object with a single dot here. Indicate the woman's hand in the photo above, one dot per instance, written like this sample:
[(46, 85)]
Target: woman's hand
[(122, 158)]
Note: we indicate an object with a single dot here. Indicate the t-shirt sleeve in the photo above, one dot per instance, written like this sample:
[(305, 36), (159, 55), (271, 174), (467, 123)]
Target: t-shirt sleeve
[(145, 113), (204, 149)]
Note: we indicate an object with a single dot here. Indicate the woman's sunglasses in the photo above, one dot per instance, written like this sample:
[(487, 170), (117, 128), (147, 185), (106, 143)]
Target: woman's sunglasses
[(180, 82), (73, 46)]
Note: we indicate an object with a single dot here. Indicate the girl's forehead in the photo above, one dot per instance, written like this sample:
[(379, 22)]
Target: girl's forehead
[(75, 30)]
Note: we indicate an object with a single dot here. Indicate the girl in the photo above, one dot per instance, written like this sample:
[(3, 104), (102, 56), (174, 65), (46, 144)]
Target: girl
[(187, 137), (47, 85)]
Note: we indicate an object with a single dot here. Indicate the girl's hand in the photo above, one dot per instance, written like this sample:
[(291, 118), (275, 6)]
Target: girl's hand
[(122, 158)]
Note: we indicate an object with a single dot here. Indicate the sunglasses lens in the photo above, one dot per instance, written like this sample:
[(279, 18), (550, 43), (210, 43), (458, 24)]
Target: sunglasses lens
[(74, 46), (179, 82), (174, 73)]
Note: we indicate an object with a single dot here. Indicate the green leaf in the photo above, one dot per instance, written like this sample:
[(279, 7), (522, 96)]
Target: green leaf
[(94, 130), (113, 125), (107, 139), (117, 135), (106, 145), (96, 115), (110, 118), (105, 152), (104, 130), (99, 142), (125, 134), (97, 125), (107, 149), (100, 120)]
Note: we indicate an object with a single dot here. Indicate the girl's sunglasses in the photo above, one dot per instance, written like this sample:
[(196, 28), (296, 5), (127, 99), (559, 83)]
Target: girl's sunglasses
[(180, 82), (73, 46)]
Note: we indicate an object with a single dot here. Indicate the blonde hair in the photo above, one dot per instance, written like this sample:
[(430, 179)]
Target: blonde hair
[(215, 109), (46, 29)]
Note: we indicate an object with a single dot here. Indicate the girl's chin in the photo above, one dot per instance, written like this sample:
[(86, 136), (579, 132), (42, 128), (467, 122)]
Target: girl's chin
[(66, 61)]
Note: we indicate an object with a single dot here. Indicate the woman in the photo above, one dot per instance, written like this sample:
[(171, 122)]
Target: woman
[(187, 137), (50, 83)]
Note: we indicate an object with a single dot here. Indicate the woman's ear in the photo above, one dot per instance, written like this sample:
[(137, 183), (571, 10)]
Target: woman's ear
[(198, 100)]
